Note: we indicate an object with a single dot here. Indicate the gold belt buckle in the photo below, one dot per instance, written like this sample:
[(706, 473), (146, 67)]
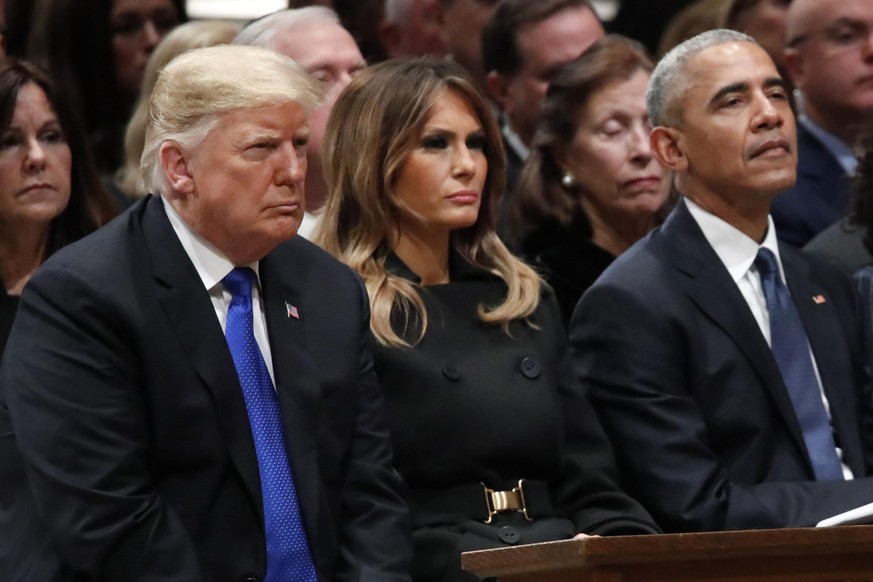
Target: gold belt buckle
[(500, 501)]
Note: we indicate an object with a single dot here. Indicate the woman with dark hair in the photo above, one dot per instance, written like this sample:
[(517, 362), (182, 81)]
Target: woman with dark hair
[(591, 186), (490, 429), (128, 182), (97, 51), (50, 194)]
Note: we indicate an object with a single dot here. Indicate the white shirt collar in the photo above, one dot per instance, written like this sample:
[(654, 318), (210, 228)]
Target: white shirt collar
[(736, 250), (308, 224)]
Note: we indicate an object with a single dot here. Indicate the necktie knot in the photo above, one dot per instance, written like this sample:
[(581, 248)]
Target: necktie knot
[(766, 263), (239, 282)]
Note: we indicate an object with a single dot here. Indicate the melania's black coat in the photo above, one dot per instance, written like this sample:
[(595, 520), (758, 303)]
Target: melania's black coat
[(471, 404)]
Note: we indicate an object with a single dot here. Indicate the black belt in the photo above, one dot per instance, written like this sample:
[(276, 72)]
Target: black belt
[(481, 503)]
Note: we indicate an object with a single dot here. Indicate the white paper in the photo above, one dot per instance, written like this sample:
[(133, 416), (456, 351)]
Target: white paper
[(863, 514)]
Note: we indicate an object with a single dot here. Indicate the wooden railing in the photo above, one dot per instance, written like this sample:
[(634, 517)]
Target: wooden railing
[(840, 554)]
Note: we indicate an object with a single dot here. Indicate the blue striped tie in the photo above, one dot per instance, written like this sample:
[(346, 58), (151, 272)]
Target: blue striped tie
[(288, 556), (790, 348)]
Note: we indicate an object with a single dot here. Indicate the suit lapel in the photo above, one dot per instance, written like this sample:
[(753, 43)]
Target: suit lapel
[(297, 384), (190, 313), (711, 288)]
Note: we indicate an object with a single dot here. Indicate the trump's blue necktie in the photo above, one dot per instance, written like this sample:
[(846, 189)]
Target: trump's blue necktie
[(790, 348), (288, 556)]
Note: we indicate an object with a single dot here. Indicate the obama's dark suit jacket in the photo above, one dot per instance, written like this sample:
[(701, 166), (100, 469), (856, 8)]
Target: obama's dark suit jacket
[(688, 389)]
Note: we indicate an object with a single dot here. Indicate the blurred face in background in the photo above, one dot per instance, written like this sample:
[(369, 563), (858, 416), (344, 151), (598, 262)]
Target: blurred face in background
[(610, 156), (35, 163), (329, 53), (765, 22), (831, 60), (137, 27), (543, 46), (461, 23), (414, 32)]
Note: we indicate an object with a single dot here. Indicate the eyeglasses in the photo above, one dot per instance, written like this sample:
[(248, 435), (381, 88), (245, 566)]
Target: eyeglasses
[(841, 35)]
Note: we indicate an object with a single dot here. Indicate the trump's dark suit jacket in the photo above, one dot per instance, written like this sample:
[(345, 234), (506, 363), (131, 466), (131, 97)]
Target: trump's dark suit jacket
[(127, 412), (818, 199), (689, 392)]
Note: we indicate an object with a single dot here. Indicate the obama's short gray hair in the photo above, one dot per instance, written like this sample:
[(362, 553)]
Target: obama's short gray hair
[(669, 80)]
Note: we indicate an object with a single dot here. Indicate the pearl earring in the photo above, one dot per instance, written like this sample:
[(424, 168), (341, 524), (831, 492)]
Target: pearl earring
[(568, 180)]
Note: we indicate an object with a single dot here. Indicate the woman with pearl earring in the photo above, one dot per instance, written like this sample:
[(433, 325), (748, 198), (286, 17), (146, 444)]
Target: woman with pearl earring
[(591, 186)]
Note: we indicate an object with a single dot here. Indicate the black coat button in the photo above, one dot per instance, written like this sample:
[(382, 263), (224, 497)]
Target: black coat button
[(251, 579), (531, 368), (508, 535), (451, 372)]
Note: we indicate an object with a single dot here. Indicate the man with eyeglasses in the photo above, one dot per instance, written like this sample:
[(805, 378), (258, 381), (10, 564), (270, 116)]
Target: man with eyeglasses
[(829, 58), (315, 38)]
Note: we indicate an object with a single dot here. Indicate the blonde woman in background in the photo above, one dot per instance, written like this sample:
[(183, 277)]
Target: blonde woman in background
[(469, 347), (197, 34)]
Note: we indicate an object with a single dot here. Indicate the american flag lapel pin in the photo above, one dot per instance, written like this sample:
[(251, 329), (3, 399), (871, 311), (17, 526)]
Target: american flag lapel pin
[(292, 311), (818, 299)]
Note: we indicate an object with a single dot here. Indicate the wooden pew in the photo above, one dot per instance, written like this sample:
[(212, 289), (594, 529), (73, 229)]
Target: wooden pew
[(839, 554)]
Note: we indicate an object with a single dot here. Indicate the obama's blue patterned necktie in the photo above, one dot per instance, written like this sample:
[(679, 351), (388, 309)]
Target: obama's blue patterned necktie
[(790, 348), (288, 555)]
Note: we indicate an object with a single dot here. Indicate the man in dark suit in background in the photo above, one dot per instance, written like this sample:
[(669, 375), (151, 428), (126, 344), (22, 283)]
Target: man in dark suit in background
[(155, 447), (725, 366), (523, 45), (644, 20), (830, 60)]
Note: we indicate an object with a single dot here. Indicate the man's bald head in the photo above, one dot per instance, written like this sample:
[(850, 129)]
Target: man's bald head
[(800, 17), (830, 60)]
